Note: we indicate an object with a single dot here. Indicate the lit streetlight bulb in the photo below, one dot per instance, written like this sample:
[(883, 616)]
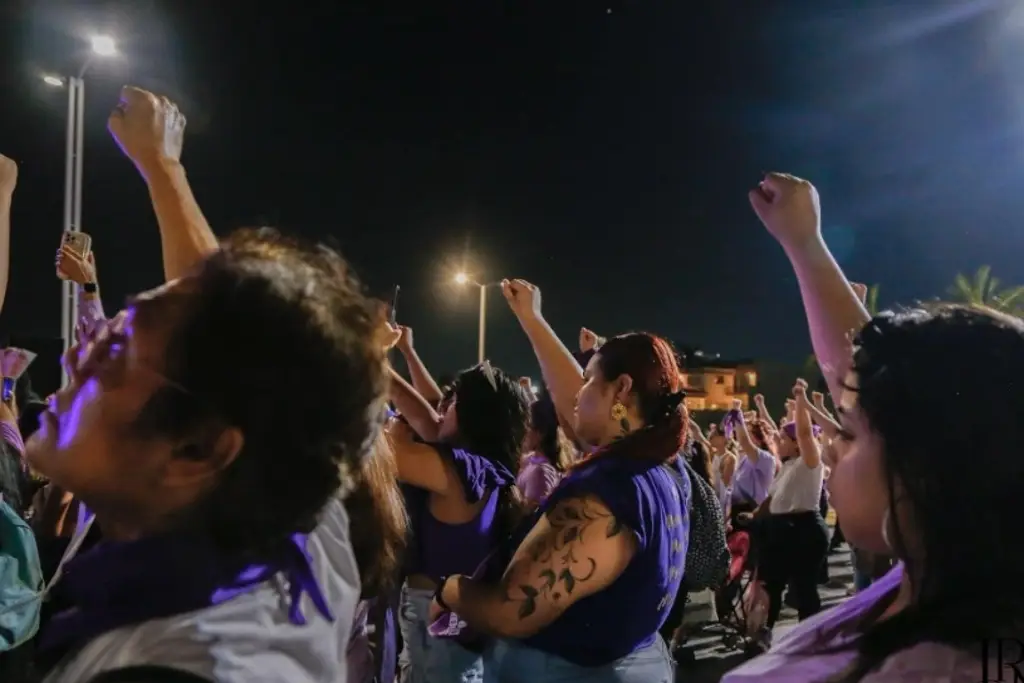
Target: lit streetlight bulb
[(54, 81), (461, 278), (103, 46)]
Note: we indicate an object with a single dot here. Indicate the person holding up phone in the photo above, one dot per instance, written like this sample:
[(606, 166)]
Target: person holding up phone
[(78, 265)]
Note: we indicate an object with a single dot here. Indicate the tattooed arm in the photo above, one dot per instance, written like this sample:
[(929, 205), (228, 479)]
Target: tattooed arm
[(577, 549)]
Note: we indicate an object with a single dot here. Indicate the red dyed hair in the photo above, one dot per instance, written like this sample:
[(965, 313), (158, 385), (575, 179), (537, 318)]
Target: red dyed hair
[(650, 362)]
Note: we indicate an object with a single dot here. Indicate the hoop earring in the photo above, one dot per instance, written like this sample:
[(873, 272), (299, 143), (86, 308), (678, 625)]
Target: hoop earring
[(619, 415), (886, 518)]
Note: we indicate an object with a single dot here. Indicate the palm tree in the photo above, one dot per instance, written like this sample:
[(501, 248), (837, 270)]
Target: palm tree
[(871, 300), (984, 290)]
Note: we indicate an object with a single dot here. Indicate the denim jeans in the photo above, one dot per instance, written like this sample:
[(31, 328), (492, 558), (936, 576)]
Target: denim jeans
[(861, 580), (426, 659), (509, 661)]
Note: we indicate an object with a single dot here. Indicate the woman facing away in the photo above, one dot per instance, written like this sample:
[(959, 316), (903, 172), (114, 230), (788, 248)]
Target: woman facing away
[(213, 456), (549, 454), (902, 489), (755, 468), (593, 578), (462, 500)]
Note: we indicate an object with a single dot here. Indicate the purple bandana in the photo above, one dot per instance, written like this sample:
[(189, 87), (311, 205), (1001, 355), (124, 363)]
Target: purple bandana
[(116, 584)]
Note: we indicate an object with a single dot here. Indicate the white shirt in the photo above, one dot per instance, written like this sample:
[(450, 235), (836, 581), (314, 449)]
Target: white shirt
[(250, 637), (796, 488)]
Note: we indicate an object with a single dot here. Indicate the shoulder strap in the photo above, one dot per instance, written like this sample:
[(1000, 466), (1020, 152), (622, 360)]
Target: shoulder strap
[(148, 674)]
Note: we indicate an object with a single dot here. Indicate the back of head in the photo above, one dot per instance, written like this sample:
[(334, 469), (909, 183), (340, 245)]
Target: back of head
[(651, 364), (279, 341), (493, 414)]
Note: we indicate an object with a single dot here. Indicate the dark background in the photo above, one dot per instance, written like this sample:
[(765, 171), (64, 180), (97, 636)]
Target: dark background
[(600, 149)]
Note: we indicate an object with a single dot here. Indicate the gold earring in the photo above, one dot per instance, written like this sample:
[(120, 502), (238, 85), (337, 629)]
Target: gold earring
[(618, 412)]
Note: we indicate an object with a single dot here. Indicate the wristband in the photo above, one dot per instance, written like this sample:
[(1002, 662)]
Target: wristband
[(439, 597), (7, 393), (90, 288)]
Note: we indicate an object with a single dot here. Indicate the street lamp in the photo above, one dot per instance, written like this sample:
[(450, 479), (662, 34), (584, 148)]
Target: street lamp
[(462, 278), (101, 46)]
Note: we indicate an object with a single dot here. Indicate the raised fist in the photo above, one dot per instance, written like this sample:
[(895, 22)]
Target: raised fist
[(149, 129), (589, 340), (789, 207), (523, 298)]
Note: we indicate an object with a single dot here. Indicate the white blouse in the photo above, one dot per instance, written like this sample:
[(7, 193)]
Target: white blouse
[(796, 488), (250, 637)]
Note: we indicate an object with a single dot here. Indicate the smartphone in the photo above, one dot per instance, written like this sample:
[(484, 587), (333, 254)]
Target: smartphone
[(394, 305), (79, 242)]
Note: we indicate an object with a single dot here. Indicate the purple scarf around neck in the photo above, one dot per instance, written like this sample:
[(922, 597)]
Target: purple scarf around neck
[(116, 584)]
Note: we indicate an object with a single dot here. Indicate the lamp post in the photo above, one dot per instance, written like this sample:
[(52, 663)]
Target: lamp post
[(100, 46), (464, 279)]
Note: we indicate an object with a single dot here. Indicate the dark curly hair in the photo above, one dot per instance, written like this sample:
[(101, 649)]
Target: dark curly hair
[(920, 367), (278, 340)]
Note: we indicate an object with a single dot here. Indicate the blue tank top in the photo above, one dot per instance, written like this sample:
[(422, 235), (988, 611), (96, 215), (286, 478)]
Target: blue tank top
[(440, 549), (654, 504)]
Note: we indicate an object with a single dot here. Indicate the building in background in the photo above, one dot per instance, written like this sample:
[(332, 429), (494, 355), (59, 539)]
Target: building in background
[(713, 383)]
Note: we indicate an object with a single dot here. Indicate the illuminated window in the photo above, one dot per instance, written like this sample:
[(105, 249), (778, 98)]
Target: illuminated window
[(693, 403), (752, 379)]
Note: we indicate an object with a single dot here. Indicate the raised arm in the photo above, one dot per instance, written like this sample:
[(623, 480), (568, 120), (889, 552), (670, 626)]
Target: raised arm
[(764, 413), (562, 374), (82, 271), (8, 180), (150, 131), (821, 417), (422, 381), (420, 415), (789, 208), (810, 449)]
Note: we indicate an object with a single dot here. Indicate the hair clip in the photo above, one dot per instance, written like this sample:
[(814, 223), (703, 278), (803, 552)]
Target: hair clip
[(489, 374)]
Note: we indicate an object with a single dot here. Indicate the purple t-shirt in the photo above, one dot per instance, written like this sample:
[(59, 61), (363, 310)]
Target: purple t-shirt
[(537, 479), (750, 481), (653, 503)]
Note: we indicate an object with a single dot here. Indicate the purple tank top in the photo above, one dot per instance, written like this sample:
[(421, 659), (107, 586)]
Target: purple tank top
[(442, 549), (458, 548)]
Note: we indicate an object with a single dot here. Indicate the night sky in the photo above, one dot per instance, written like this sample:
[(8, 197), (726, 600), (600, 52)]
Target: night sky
[(602, 150)]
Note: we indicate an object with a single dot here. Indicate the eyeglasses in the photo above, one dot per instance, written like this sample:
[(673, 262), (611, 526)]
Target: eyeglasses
[(101, 352)]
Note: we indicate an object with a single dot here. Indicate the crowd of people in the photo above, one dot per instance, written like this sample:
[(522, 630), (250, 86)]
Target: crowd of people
[(236, 483)]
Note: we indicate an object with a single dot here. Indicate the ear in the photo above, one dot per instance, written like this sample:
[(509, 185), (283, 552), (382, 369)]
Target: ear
[(623, 387), (200, 460)]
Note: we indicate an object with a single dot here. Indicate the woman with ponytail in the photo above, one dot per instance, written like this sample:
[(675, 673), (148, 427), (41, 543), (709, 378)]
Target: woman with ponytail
[(593, 577)]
